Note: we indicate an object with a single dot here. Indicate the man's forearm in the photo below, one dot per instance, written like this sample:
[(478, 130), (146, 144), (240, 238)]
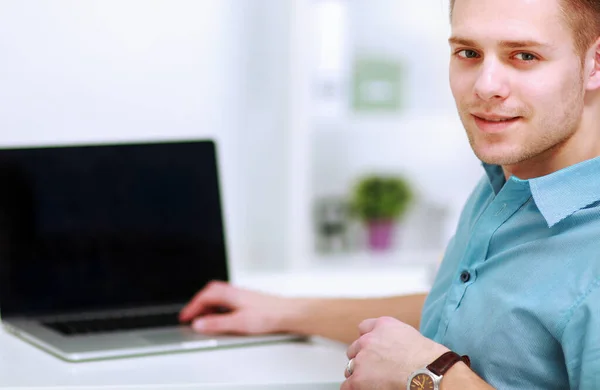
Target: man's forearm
[(338, 319), (461, 377)]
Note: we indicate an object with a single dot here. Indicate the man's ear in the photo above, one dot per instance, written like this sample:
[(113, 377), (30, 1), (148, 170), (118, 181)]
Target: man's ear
[(592, 66)]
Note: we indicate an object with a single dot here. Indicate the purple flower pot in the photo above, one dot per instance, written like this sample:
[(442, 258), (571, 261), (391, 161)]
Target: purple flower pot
[(380, 234)]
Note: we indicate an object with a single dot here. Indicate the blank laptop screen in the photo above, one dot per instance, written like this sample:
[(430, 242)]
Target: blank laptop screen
[(108, 226)]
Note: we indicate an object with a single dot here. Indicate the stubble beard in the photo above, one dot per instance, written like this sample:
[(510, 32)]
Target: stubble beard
[(550, 132)]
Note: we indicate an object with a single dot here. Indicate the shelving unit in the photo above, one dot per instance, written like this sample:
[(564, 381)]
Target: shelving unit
[(330, 145)]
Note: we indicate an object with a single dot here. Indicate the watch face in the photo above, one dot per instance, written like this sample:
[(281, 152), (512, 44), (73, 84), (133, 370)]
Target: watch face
[(421, 382)]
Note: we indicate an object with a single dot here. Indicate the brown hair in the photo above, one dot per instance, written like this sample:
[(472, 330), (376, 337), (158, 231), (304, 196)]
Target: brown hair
[(582, 16)]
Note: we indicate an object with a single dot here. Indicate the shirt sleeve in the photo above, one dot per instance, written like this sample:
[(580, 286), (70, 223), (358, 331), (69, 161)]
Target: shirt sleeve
[(581, 341)]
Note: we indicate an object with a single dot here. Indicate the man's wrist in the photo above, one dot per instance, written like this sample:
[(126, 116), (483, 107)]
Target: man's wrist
[(293, 314), (434, 354), (456, 376), (462, 377), (440, 361)]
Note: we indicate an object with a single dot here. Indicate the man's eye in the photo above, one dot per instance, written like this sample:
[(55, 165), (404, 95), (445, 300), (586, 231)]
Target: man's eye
[(467, 54), (526, 57)]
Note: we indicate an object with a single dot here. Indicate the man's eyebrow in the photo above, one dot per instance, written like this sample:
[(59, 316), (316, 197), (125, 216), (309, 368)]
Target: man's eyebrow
[(523, 44), (458, 41), (519, 44)]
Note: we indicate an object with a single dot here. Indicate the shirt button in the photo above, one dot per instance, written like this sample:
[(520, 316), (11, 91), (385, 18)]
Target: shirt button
[(465, 276)]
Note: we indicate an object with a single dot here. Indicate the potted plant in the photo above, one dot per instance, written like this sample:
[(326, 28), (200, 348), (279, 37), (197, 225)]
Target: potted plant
[(379, 201)]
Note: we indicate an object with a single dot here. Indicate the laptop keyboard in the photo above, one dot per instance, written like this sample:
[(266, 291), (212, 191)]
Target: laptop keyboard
[(112, 324)]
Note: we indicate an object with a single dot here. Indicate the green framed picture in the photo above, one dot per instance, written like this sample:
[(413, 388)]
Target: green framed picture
[(377, 85)]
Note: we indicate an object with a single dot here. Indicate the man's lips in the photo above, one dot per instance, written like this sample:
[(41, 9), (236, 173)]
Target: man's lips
[(494, 117), (494, 123)]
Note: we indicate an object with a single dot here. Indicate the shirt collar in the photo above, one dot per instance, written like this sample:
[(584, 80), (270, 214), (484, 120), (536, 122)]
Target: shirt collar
[(561, 193)]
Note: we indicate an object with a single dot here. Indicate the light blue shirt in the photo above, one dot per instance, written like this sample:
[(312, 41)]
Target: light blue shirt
[(519, 287)]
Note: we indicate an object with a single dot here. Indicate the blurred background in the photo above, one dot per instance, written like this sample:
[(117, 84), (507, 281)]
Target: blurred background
[(338, 136)]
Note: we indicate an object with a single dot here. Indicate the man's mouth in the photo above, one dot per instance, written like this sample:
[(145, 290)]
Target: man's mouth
[(498, 120), (494, 123), (495, 118)]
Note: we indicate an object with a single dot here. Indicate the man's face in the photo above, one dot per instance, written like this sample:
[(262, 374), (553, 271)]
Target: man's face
[(514, 61)]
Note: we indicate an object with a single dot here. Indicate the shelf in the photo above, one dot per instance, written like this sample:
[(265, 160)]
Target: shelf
[(350, 280), (366, 260)]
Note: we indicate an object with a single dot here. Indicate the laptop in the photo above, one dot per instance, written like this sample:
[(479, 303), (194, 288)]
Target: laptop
[(101, 245)]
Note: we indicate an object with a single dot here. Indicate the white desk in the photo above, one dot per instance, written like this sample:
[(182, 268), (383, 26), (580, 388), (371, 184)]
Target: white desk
[(317, 365)]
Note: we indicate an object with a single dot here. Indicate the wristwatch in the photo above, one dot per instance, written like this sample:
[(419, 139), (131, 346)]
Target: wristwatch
[(429, 378)]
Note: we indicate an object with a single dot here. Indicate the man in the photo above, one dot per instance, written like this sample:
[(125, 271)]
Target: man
[(518, 291)]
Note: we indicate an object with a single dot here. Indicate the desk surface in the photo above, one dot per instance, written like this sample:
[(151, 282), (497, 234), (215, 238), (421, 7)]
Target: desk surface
[(317, 364)]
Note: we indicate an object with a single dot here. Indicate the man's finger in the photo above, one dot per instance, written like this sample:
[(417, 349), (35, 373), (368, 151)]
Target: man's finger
[(214, 294), (367, 326), (219, 323), (346, 385), (353, 349)]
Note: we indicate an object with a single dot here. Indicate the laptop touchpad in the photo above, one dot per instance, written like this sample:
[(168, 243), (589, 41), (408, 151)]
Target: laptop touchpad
[(186, 338)]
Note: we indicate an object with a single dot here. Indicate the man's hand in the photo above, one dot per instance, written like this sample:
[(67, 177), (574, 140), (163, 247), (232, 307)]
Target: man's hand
[(386, 353), (222, 308)]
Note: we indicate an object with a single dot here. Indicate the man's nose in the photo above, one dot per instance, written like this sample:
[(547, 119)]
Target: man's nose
[(492, 81)]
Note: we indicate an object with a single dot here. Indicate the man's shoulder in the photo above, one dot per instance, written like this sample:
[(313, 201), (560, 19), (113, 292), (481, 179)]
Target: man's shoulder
[(585, 224), (593, 210)]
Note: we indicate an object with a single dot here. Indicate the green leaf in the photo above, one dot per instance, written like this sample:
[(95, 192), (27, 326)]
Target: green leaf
[(379, 197)]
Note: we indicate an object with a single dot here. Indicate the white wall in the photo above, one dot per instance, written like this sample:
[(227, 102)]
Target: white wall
[(117, 69), (102, 70)]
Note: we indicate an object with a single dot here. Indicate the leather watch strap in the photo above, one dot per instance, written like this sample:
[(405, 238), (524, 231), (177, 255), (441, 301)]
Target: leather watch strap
[(442, 364)]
